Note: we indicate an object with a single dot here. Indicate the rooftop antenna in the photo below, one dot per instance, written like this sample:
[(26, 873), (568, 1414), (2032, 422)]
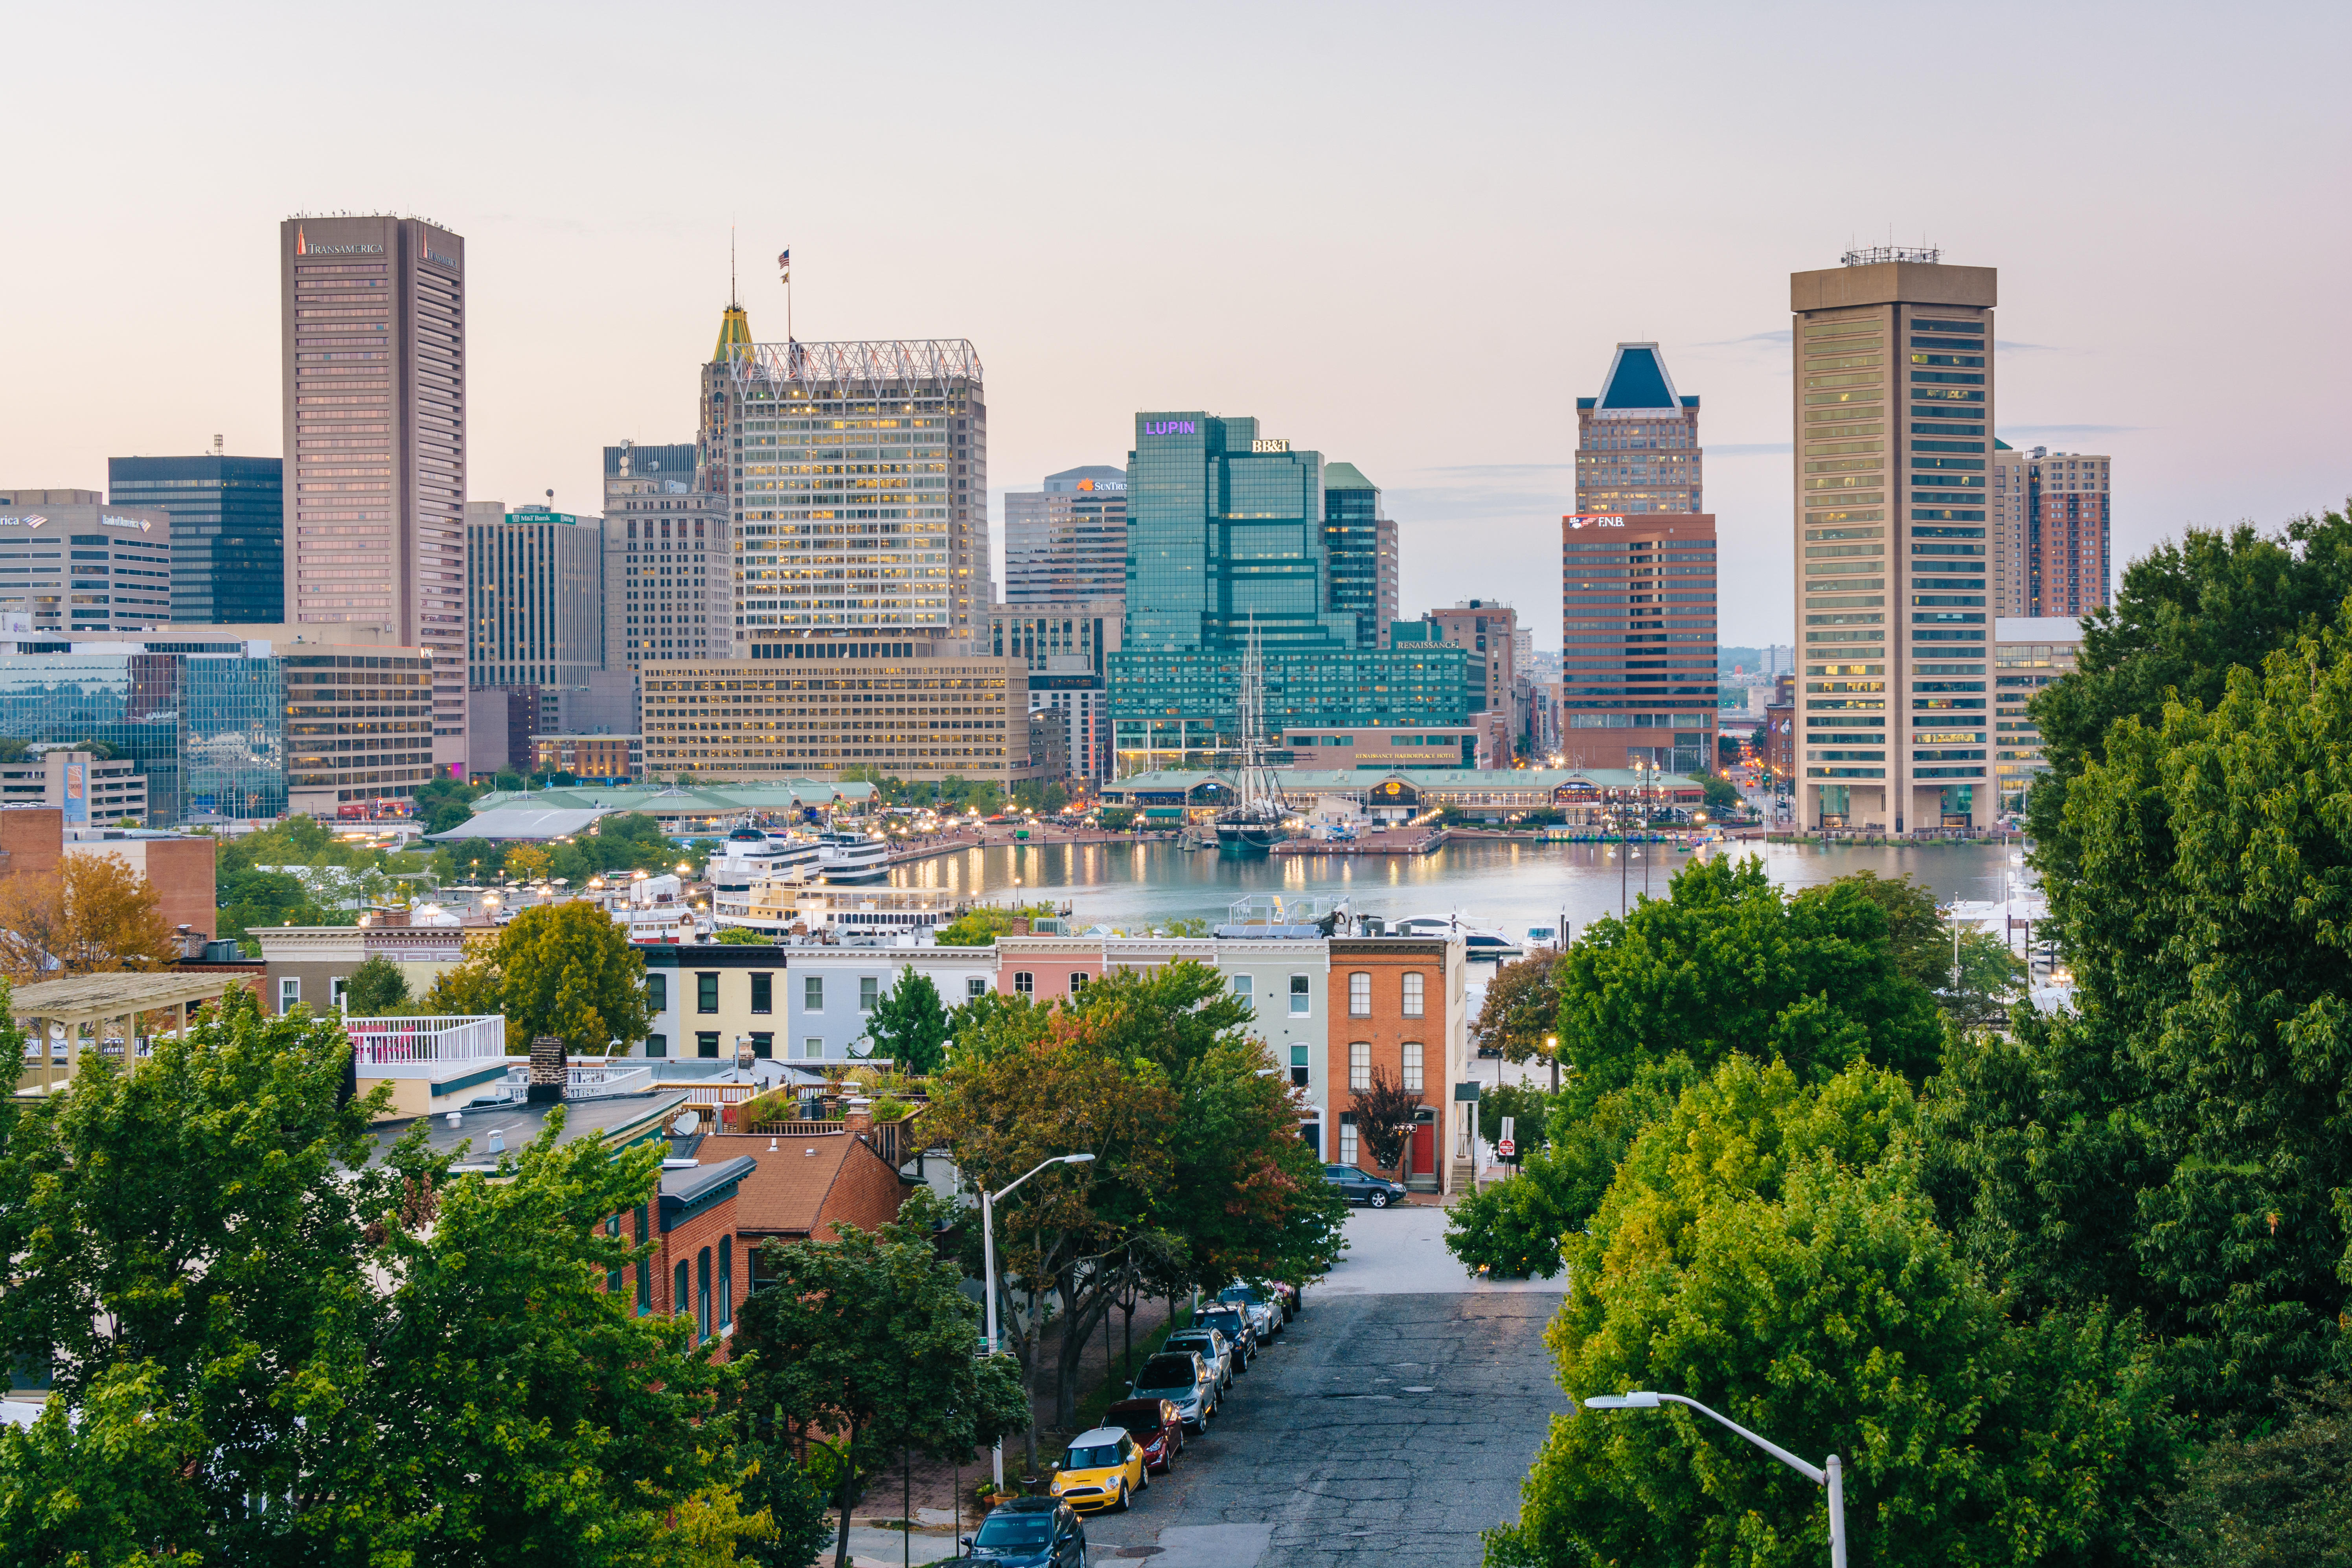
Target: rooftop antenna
[(733, 298)]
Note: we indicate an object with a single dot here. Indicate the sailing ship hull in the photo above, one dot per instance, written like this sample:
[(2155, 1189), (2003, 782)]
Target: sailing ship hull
[(1248, 840)]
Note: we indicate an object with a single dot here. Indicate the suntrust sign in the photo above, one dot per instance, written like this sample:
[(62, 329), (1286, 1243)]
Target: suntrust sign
[(1171, 428)]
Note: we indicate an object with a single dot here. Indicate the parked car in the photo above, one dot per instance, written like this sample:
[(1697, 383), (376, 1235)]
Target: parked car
[(1156, 1424), (1180, 1376), (1266, 1316), (1363, 1188), (1233, 1322), (1101, 1470), (1029, 1532), (1212, 1348), (1287, 1294)]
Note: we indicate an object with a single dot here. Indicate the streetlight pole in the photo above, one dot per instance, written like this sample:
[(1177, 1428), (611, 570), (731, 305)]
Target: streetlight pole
[(988, 1201), (1828, 1474)]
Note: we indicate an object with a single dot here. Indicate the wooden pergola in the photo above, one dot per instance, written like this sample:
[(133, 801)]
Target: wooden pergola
[(62, 1018)]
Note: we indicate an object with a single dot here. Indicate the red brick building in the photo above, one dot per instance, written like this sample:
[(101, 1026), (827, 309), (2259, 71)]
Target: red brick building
[(698, 1265), (1397, 1005), (804, 1184)]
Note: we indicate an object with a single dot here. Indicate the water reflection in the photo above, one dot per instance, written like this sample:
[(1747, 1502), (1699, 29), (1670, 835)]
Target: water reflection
[(1510, 884)]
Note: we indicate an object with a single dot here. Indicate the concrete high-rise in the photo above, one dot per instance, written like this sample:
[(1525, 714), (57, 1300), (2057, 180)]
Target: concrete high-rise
[(372, 315), (535, 593), (667, 561), (1894, 419), (228, 531), (70, 564), (857, 473), (1637, 443), (1068, 540)]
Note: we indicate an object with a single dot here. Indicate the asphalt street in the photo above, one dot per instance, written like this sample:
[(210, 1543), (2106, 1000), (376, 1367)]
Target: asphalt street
[(1391, 1421)]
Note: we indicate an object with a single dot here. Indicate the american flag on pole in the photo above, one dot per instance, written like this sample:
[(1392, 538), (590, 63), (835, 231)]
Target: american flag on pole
[(785, 265)]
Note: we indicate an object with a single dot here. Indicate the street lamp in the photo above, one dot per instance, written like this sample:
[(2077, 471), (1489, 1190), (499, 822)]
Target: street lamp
[(1826, 1475), (1551, 1049), (988, 1201)]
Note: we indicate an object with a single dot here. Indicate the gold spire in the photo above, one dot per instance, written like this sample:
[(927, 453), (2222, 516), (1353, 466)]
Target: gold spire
[(734, 334)]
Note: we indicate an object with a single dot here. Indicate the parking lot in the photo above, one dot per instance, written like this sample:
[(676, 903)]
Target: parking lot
[(1391, 1421)]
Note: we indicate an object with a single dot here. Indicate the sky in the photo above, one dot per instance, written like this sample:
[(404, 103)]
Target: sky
[(1407, 237)]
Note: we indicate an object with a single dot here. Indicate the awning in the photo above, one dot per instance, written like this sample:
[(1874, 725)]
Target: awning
[(518, 823)]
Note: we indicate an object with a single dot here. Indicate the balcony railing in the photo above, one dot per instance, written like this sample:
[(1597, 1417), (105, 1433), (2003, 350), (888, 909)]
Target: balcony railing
[(417, 1042), (579, 1083)]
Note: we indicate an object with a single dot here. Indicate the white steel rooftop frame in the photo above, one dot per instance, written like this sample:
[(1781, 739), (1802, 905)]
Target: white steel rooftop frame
[(914, 359)]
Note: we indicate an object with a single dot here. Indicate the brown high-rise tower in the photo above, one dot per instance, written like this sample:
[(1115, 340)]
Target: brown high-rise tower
[(374, 318)]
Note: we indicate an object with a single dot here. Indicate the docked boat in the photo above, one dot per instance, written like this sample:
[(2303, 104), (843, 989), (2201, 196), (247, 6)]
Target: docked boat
[(1258, 820), (790, 910), (1478, 941), (751, 854), (852, 858)]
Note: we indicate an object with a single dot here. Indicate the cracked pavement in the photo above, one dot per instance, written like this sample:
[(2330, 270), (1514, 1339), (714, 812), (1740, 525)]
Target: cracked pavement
[(1384, 1425)]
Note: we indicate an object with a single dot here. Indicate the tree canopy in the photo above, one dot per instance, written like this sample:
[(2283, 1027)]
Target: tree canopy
[(564, 969), (909, 1025), (94, 915)]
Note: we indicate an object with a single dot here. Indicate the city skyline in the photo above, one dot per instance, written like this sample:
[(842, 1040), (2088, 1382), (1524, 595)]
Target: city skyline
[(588, 318)]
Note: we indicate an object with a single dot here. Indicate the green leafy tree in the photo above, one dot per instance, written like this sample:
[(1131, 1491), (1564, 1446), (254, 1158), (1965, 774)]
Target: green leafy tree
[(1721, 798), (1766, 1248), (1514, 1228), (864, 1346), (2182, 1142), (569, 970), (1521, 1010), (1724, 963), (376, 989), (909, 1025), (739, 936), (1526, 1105), (2185, 615), (1386, 1113), (1115, 818), (2280, 1497)]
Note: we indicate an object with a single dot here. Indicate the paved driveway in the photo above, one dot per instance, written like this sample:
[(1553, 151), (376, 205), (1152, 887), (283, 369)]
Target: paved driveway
[(1391, 1421)]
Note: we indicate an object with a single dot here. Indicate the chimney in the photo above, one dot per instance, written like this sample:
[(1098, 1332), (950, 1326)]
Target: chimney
[(549, 1067), (858, 1118)]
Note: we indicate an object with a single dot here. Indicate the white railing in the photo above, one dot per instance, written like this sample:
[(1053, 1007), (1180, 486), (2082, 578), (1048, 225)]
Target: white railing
[(409, 1042), (579, 1083), (715, 1093)]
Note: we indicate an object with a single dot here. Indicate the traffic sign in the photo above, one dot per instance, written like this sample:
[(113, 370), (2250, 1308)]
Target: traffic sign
[(1507, 1148)]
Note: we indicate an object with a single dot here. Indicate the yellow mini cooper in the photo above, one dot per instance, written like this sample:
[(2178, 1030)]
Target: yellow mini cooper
[(1104, 1468)]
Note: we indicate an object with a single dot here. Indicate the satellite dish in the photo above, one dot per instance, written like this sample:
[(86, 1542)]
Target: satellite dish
[(686, 1123)]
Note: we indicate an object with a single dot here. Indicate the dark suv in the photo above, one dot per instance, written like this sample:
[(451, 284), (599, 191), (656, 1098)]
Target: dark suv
[(1233, 1322), (1363, 1188), (1029, 1532)]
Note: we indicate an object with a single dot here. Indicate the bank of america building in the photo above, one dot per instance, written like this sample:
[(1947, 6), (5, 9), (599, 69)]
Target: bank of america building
[(1226, 540)]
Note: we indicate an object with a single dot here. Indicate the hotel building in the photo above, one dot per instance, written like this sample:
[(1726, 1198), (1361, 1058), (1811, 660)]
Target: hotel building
[(858, 475), (1894, 418), (372, 316), (1068, 540)]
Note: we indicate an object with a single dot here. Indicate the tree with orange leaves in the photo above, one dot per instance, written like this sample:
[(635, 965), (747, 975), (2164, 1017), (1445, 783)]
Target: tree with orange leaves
[(94, 916)]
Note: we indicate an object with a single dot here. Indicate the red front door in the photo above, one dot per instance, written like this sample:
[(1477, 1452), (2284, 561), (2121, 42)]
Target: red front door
[(1424, 1147)]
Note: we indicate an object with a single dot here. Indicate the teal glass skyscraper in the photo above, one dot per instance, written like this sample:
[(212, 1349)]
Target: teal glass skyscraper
[(1226, 540)]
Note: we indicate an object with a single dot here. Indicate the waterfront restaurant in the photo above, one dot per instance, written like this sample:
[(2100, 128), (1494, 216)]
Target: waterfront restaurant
[(1581, 795)]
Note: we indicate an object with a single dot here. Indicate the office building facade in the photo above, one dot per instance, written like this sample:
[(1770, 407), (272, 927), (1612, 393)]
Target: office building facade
[(70, 564), (1227, 545), (1637, 443), (534, 595), (858, 474), (228, 531), (1068, 540), (1638, 667), (667, 593), (1066, 647), (1488, 631), (1361, 540), (2027, 654), (2069, 539), (372, 313), (803, 708), (1894, 417), (233, 722)]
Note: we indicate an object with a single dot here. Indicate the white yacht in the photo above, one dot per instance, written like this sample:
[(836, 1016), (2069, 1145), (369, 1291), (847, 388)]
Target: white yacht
[(749, 854), (852, 858), (1478, 940)]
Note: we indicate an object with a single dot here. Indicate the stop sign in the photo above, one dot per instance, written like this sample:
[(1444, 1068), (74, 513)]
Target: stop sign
[(1507, 1148)]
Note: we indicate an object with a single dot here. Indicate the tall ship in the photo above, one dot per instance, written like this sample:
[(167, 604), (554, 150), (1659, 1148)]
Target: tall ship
[(1257, 820)]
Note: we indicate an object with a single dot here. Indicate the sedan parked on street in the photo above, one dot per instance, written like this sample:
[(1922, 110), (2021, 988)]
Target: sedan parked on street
[(1029, 1532), (1363, 1188), (1181, 1378), (1265, 1313), (1156, 1425), (1218, 1353), (1233, 1322)]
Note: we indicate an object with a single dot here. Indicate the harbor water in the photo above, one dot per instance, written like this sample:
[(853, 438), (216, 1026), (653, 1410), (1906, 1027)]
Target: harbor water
[(1513, 885)]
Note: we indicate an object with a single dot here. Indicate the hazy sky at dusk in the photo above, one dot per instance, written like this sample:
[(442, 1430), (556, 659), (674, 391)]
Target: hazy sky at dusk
[(1405, 236)]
